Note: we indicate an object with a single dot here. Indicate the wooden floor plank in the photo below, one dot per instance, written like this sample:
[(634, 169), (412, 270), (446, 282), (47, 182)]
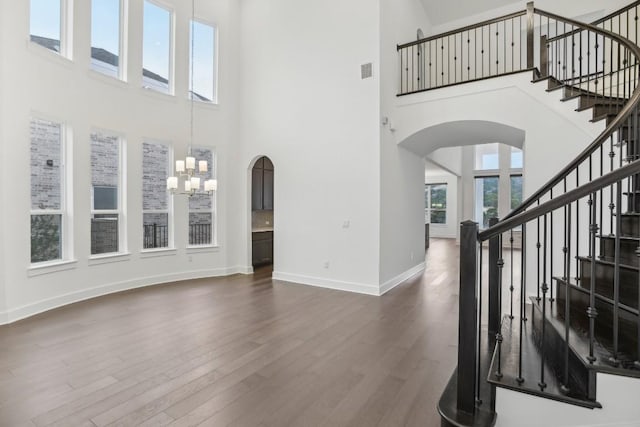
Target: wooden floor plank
[(237, 351)]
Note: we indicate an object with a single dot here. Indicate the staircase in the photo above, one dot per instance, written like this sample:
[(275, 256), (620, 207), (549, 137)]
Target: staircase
[(575, 312)]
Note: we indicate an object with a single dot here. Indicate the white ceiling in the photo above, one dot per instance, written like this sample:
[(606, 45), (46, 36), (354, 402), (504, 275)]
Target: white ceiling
[(443, 11)]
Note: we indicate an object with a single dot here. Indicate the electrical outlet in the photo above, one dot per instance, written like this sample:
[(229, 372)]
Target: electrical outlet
[(190, 258), (326, 264)]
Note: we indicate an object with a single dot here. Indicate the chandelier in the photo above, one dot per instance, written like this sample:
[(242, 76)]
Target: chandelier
[(186, 169)]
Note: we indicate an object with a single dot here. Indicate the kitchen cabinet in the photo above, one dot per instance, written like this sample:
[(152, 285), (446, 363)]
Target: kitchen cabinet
[(262, 185), (262, 248)]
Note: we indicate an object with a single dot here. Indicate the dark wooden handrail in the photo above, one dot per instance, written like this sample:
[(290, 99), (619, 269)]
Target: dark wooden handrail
[(602, 138), (597, 22), (560, 201), (462, 29)]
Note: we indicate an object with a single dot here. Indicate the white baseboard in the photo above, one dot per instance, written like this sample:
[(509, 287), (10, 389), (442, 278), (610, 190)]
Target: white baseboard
[(392, 283), (41, 306), (360, 288)]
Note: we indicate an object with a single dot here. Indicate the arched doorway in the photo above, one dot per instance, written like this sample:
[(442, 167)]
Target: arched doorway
[(262, 192)]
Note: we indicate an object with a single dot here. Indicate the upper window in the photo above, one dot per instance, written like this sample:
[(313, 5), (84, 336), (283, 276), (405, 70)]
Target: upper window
[(435, 199), (202, 62), (516, 158), (106, 37), (46, 24), (47, 191), (156, 49), (156, 161), (202, 205), (487, 157), (106, 194)]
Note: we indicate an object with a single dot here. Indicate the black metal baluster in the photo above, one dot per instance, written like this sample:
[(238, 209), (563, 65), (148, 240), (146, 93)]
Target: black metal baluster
[(538, 246), (550, 282), (499, 334), (592, 313), (577, 227), (616, 276), (567, 298), (479, 338), (511, 288), (612, 155), (523, 293), (545, 288)]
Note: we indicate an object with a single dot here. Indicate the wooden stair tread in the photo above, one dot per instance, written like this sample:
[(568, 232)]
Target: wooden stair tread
[(609, 263), (579, 343), (531, 363)]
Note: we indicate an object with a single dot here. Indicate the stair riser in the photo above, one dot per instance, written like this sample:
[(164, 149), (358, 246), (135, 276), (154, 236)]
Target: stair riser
[(627, 322), (599, 110), (627, 251), (605, 279), (579, 375), (629, 225)]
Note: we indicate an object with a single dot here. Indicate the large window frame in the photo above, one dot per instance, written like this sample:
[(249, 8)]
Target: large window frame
[(65, 47), (65, 230), (152, 234), (429, 210), (121, 198), (193, 58), (170, 90), (210, 174), (121, 72)]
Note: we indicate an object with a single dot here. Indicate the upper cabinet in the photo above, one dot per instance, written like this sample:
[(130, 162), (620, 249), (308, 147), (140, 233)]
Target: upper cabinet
[(262, 185)]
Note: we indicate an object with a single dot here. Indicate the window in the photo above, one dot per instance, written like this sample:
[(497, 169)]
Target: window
[(486, 199), (516, 158), (202, 205), (516, 191), (202, 62), (487, 157), (47, 192), (157, 49), (106, 32), (106, 194), (156, 161), (435, 199), (46, 24)]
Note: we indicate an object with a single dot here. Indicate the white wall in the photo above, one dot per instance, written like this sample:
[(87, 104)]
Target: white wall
[(41, 82), (305, 106), (449, 158), (3, 176), (402, 172), (588, 10), (618, 396)]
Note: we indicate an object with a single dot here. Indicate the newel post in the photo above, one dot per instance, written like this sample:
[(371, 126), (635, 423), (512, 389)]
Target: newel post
[(530, 28), (468, 322)]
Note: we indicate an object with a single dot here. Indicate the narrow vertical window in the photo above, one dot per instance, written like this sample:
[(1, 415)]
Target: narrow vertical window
[(487, 157), (516, 191), (516, 158), (486, 200), (106, 33), (46, 24), (156, 50), (106, 197), (156, 161), (47, 191), (202, 205), (202, 62)]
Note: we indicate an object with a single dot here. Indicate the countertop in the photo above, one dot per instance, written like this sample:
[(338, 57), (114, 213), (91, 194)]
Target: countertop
[(262, 229)]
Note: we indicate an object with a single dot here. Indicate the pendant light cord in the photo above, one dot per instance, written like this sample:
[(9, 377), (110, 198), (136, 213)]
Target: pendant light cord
[(192, 92)]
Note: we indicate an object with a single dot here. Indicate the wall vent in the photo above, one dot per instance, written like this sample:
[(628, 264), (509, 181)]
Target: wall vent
[(366, 70)]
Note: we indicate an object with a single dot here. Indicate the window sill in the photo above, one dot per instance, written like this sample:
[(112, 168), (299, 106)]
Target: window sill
[(105, 78), (167, 96), (49, 54), (153, 253), (109, 258), (202, 249), (51, 267)]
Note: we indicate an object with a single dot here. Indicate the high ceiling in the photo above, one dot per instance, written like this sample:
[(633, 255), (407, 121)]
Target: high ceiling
[(442, 11)]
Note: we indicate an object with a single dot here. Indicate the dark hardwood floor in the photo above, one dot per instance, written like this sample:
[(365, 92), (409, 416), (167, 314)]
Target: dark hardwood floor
[(240, 351)]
